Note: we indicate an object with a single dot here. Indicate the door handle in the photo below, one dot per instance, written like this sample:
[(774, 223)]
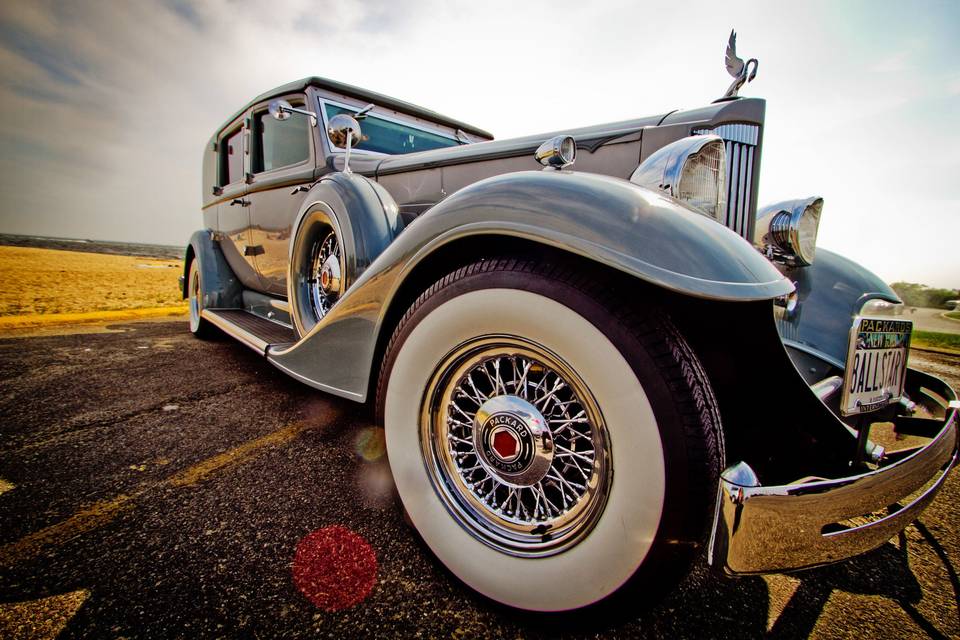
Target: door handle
[(241, 202)]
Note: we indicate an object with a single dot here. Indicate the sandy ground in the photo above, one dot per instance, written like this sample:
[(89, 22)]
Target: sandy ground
[(155, 485), (46, 281)]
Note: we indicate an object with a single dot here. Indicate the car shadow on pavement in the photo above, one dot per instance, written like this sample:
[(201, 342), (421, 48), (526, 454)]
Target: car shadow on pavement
[(884, 572)]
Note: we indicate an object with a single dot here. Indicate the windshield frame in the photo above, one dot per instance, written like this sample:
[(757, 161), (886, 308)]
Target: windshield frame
[(437, 131)]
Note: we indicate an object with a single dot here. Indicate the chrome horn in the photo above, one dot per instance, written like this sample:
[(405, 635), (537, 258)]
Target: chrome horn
[(344, 132)]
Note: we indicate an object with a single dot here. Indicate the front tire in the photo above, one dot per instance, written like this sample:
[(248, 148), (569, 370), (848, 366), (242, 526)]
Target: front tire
[(607, 472)]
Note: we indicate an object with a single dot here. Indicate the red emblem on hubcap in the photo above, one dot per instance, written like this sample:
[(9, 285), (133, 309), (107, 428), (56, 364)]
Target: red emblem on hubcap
[(505, 444)]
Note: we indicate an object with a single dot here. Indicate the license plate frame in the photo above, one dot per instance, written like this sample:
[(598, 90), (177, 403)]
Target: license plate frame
[(876, 364)]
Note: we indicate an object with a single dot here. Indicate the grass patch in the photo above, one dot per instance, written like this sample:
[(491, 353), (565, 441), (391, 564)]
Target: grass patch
[(935, 339), (955, 315)]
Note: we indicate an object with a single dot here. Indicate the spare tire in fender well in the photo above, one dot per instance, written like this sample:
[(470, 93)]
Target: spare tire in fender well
[(364, 217)]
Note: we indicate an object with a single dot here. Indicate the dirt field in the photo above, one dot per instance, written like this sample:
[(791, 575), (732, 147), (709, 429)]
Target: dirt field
[(41, 282)]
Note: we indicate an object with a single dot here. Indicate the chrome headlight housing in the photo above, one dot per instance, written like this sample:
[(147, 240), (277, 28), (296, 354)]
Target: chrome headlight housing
[(693, 170), (787, 231)]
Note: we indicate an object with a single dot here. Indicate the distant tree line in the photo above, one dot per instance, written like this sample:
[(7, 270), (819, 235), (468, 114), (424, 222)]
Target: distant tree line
[(920, 295)]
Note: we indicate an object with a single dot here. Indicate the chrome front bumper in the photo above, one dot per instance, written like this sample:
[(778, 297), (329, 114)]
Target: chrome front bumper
[(781, 528)]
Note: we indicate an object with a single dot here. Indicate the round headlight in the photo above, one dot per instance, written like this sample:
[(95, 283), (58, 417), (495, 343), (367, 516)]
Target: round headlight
[(702, 180), (693, 170), (788, 230)]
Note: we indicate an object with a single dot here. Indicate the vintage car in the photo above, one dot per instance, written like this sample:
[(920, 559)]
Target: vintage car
[(594, 357)]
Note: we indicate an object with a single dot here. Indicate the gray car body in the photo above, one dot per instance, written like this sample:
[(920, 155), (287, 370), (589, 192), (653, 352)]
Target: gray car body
[(481, 191), (405, 222)]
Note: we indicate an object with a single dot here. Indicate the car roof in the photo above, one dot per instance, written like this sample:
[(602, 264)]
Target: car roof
[(370, 96)]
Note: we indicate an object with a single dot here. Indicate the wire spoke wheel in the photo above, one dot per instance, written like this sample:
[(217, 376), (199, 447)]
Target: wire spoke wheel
[(324, 278), (550, 446), (517, 445)]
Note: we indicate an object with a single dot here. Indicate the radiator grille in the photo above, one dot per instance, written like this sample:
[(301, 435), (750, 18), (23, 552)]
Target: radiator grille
[(741, 144)]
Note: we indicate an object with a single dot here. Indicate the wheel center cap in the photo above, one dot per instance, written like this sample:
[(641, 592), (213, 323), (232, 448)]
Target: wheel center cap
[(506, 445), (513, 440), (330, 276)]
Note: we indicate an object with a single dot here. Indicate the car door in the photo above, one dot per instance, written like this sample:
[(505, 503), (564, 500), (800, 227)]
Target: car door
[(282, 159), (233, 210)]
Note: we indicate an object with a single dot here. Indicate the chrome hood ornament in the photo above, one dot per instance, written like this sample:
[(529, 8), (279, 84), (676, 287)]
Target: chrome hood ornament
[(741, 72)]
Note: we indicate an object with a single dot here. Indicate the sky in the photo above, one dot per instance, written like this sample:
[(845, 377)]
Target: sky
[(105, 107)]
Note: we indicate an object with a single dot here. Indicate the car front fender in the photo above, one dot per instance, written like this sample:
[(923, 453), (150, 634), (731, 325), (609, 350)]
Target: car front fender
[(830, 293), (613, 222), (607, 220)]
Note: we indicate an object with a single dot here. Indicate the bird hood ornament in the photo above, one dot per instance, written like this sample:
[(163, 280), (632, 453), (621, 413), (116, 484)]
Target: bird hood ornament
[(741, 72)]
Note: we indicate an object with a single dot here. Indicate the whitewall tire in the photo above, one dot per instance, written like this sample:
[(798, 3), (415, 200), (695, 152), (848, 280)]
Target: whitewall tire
[(198, 326), (533, 437)]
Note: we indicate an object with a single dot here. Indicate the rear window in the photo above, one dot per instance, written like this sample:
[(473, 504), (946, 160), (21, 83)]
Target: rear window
[(231, 158), (385, 136)]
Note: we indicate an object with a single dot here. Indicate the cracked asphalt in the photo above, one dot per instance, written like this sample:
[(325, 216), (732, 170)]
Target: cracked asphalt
[(154, 485)]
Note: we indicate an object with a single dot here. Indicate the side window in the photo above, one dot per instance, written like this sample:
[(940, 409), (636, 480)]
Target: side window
[(231, 158), (280, 143)]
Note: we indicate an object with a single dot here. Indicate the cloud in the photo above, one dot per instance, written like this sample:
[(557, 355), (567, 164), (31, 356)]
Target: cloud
[(105, 106)]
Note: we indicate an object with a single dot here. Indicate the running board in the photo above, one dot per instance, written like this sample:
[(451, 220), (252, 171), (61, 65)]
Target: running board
[(254, 331)]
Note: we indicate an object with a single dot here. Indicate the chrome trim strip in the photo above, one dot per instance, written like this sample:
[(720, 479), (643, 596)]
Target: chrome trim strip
[(742, 133), (257, 344), (733, 203), (741, 207), (745, 229), (350, 395)]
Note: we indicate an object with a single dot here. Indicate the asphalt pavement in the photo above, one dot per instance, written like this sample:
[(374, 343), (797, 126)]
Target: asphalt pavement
[(155, 485), (931, 320)]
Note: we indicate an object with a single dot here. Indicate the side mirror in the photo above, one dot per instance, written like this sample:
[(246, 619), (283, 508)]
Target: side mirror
[(281, 110), (341, 127), (344, 132)]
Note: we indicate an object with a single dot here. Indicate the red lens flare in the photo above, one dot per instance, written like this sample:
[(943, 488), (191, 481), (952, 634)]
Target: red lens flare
[(334, 568)]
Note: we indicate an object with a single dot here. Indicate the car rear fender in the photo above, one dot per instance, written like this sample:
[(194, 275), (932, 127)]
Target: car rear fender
[(221, 288)]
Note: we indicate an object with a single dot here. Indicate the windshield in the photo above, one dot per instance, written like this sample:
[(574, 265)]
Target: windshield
[(386, 136)]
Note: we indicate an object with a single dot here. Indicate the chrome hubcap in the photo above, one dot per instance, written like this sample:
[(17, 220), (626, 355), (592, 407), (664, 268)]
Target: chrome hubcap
[(324, 277), (512, 440), (516, 445)]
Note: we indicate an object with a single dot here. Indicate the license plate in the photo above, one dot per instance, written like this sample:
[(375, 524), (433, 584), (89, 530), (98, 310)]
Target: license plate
[(876, 364)]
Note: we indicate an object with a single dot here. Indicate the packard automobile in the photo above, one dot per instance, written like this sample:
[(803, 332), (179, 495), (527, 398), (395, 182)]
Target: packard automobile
[(595, 357)]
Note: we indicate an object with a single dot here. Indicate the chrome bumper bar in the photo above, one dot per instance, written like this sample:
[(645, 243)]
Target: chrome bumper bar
[(782, 528)]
